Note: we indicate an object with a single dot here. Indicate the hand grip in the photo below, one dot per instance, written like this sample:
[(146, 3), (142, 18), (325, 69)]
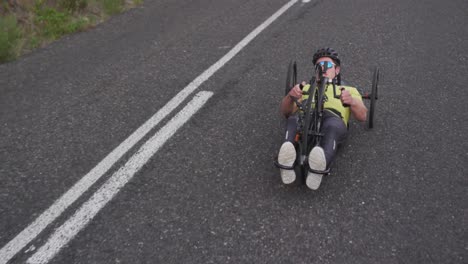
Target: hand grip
[(299, 105), (345, 105)]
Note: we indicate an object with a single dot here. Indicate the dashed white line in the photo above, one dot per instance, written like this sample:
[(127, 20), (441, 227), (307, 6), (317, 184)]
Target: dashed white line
[(88, 210), (60, 205)]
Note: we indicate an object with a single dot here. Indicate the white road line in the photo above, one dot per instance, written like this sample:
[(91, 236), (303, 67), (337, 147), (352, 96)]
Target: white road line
[(61, 204), (118, 180)]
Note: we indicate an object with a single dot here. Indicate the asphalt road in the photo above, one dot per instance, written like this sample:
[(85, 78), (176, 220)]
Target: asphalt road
[(397, 194)]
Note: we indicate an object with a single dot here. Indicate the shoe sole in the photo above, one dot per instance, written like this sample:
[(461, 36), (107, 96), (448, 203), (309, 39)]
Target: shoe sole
[(316, 162), (286, 157)]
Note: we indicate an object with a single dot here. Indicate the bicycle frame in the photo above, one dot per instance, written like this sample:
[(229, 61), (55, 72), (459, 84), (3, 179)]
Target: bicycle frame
[(310, 119)]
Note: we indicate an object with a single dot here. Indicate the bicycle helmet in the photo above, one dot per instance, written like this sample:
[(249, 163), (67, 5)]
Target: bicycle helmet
[(326, 52)]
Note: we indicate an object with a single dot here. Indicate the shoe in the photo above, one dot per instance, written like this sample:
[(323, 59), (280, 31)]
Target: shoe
[(317, 161), (286, 157)]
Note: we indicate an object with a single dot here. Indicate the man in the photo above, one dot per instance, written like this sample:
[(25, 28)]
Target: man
[(335, 120)]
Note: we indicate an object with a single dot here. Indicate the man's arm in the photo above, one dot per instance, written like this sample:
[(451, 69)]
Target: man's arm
[(359, 110), (357, 107), (287, 104)]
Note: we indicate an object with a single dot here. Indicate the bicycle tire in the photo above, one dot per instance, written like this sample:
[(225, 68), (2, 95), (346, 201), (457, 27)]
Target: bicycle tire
[(306, 128), (373, 97), (291, 77), (318, 111)]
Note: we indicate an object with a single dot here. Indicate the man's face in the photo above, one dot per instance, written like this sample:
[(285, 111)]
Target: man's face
[(331, 72)]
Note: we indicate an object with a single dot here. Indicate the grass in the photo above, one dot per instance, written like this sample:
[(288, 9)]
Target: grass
[(53, 24), (112, 7), (10, 35), (35, 23)]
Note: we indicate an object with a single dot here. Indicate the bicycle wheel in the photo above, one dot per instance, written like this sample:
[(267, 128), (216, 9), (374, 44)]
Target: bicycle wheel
[(373, 97), (318, 113), (291, 77)]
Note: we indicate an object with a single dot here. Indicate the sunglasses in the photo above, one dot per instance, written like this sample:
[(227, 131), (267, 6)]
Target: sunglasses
[(327, 64)]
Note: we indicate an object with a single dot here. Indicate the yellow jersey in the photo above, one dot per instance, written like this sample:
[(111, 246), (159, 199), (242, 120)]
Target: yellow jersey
[(334, 104)]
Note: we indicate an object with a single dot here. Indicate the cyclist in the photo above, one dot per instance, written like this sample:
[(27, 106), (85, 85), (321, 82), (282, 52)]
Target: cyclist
[(334, 123)]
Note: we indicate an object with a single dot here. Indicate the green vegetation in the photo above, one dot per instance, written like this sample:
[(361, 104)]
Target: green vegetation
[(53, 24), (10, 34), (74, 5), (112, 7), (29, 24)]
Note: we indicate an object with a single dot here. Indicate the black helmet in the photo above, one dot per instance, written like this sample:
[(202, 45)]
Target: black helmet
[(326, 52)]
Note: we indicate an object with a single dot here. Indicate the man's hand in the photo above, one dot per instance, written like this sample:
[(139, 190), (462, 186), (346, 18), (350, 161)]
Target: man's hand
[(346, 98), (287, 104), (295, 92), (358, 109)]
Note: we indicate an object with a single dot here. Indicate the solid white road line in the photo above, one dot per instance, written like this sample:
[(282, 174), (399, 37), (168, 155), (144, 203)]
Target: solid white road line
[(61, 204), (88, 210)]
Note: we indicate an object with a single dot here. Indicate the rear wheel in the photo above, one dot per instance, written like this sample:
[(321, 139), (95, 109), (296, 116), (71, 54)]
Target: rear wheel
[(373, 97), (291, 77)]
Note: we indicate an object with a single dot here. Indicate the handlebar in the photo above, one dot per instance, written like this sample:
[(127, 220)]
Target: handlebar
[(322, 80), (339, 97)]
